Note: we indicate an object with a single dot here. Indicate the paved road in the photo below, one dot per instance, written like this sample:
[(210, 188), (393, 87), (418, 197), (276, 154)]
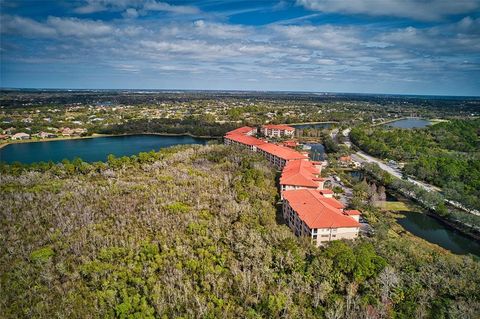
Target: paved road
[(363, 157), (346, 134)]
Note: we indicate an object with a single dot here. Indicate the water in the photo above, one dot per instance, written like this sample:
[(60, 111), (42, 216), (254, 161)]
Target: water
[(317, 152), (91, 149), (356, 175), (410, 123), (313, 125), (432, 230)]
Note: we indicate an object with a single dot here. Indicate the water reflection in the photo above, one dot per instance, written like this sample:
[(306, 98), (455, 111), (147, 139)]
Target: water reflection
[(434, 231)]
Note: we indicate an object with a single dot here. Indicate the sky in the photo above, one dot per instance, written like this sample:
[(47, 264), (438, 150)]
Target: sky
[(359, 46)]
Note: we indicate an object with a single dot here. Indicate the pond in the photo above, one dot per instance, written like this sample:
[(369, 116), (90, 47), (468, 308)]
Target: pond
[(91, 149), (356, 175), (410, 123), (317, 151), (434, 231)]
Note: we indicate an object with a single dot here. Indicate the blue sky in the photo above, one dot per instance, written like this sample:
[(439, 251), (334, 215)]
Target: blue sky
[(366, 46)]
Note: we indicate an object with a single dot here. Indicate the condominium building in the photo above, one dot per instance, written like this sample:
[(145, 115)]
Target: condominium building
[(298, 174), (273, 130), (280, 155), (245, 130), (308, 213), (247, 141), (308, 209)]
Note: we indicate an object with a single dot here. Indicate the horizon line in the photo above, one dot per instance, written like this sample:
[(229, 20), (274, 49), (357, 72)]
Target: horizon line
[(237, 90)]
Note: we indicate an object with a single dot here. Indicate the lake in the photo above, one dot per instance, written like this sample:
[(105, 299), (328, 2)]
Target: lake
[(410, 123), (91, 149), (434, 231)]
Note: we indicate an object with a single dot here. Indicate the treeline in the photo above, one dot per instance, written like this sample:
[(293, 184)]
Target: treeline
[(192, 232), (431, 201), (190, 125), (446, 155)]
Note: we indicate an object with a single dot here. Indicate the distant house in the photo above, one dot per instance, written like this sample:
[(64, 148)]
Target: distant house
[(3, 136), (79, 131), (66, 131), (46, 135), (10, 130), (345, 160), (272, 130), (20, 136)]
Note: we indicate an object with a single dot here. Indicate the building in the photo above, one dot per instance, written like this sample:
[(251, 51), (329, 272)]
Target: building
[(308, 213), (247, 141), (279, 155), (290, 143), (244, 130), (66, 131), (273, 130), (46, 135), (20, 136), (308, 208), (299, 174), (345, 160)]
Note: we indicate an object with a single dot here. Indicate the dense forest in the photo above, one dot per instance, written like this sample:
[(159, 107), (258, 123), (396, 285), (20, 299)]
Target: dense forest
[(445, 154), (193, 126), (194, 232)]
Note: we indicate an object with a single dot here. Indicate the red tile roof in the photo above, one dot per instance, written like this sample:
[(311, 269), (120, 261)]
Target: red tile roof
[(241, 130), (352, 212), (290, 143), (300, 173), (279, 127), (315, 211), (245, 139), (326, 191), (282, 152), (334, 203), (345, 158)]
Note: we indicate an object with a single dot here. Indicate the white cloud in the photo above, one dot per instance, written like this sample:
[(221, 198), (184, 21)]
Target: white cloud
[(425, 10), (130, 13), (79, 27), (163, 6), (140, 6), (214, 49), (25, 26), (220, 30)]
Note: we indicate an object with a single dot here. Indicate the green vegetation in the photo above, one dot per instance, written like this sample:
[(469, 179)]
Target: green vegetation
[(192, 232), (446, 155), (394, 206), (198, 127)]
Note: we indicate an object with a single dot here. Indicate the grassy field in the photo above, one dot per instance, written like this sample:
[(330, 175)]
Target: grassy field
[(394, 206)]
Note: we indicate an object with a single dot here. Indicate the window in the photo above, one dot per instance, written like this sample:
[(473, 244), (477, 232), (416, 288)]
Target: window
[(314, 237)]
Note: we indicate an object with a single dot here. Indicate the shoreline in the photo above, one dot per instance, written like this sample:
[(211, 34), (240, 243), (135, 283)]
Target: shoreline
[(95, 135), (405, 118)]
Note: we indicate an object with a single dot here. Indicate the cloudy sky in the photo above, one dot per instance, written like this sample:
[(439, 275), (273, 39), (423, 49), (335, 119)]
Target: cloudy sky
[(380, 46)]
